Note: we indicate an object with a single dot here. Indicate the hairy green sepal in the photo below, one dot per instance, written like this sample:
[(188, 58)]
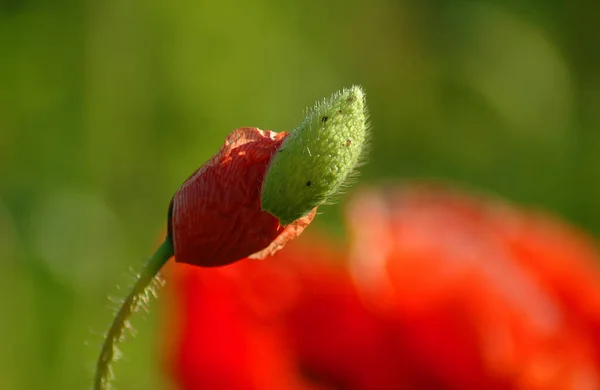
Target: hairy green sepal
[(317, 157)]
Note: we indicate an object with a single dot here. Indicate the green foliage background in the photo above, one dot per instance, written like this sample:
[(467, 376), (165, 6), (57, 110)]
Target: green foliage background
[(107, 106)]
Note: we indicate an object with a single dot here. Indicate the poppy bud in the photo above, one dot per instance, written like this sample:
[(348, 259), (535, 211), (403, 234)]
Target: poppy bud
[(215, 217)]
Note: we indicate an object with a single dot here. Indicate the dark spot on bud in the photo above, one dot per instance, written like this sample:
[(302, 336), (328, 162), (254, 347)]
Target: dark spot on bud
[(324, 119), (348, 142), (350, 99), (339, 111), (308, 183)]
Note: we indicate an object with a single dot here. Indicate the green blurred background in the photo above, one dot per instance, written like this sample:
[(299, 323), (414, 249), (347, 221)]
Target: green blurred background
[(107, 106)]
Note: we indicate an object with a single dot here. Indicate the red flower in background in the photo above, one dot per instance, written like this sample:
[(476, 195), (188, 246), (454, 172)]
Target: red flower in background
[(481, 295), (447, 291), (228, 327)]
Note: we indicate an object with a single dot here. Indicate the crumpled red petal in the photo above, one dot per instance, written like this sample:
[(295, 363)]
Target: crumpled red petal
[(216, 217)]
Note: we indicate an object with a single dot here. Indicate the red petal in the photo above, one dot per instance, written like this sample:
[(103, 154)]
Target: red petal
[(216, 214), (483, 294), (225, 327)]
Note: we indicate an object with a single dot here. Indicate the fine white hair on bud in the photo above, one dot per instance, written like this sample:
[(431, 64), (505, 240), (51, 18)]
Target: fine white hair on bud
[(317, 157)]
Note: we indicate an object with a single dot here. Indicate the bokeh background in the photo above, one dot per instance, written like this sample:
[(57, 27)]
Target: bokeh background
[(106, 107)]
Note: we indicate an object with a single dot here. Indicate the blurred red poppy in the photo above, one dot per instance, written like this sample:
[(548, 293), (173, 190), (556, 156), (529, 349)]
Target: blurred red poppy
[(438, 290), (244, 326), (479, 294)]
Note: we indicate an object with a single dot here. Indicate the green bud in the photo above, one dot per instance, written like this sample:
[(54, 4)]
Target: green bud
[(317, 157)]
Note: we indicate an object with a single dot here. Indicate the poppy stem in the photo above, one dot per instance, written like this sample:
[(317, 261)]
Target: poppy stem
[(140, 293)]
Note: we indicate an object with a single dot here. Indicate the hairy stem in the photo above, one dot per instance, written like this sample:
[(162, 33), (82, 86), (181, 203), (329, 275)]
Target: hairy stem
[(139, 293)]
